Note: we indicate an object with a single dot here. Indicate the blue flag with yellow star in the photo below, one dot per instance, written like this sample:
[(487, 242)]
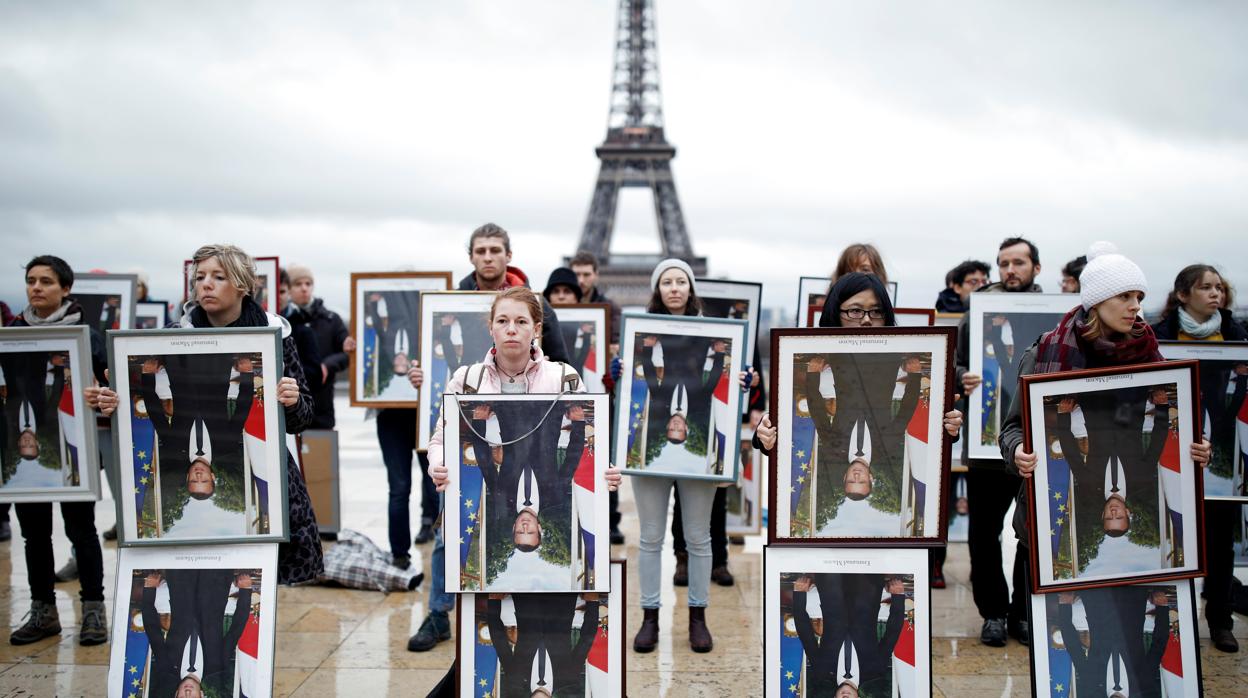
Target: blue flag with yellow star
[(1060, 672), (437, 373), (136, 658), (1059, 507), (989, 397), (485, 664), (370, 353), (636, 410), (803, 448), (470, 523), (144, 438), (792, 660)]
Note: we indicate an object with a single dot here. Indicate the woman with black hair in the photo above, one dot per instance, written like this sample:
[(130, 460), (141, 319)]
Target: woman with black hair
[(1195, 311)]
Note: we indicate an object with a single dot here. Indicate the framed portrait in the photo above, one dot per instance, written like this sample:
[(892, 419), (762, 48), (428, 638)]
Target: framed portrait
[(1223, 417), (1122, 640), (861, 457), (586, 328), (318, 460), (1115, 487), (107, 300), (565, 644), (679, 383), (744, 498), (525, 498), (150, 316), (915, 317), (48, 445), (385, 321), (454, 332), (1002, 327), (837, 617), (811, 291), (266, 282), (196, 618), (199, 435), (738, 300)]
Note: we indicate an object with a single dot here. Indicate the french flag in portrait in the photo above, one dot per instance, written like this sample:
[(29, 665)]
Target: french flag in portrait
[(1172, 483), (903, 661), (590, 372), (597, 663), (1241, 438), (583, 494), (69, 431), (254, 441), (1172, 662), (916, 454), (724, 420), (248, 657)]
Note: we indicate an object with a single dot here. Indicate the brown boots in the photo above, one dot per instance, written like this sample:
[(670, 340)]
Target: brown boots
[(699, 635), (648, 635)]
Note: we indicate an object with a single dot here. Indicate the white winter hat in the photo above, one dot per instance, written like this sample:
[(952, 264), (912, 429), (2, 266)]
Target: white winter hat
[(671, 264), (1108, 273)]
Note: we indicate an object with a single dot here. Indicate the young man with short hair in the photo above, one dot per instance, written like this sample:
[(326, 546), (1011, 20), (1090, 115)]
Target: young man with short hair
[(990, 488), (331, 337), (963, 280)]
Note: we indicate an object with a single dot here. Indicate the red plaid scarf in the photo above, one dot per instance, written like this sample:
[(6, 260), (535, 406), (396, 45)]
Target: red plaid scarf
[(1065, 349)]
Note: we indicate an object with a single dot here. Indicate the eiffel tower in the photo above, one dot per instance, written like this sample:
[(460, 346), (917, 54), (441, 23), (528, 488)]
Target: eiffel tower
[(635, 154)]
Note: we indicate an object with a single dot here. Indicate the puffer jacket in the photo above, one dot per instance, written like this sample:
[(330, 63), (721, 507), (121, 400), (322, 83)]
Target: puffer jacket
[(543, 377)]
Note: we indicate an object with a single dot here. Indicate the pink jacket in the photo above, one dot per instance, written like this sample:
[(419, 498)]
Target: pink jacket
[(542, 376)]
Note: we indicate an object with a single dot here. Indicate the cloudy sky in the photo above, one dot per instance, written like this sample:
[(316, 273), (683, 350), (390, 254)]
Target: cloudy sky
[(375, 135)]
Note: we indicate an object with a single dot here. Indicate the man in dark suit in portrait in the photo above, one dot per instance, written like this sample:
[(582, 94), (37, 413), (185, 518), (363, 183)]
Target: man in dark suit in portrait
[(1116, 662), (529, 489), (543, 633), (849, 658), (680, 402), (195, 652), (29, 407), (201, 435)]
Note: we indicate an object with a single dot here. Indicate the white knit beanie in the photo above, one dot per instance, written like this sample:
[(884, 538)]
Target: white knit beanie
[(671, 264), (1108, 273)]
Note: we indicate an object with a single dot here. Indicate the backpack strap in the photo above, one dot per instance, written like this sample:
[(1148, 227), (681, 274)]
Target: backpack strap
[(473, 378), (569, 381)]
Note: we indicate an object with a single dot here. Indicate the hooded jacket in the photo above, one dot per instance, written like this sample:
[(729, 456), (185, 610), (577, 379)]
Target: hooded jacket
[(552, 338)]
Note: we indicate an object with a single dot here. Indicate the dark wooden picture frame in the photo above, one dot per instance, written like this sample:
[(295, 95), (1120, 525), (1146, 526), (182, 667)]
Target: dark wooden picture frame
[(357, 327), (1035, 388), (935, 340)]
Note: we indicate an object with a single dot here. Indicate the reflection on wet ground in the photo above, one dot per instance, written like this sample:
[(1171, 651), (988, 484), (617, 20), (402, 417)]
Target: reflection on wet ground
[(337, 642)]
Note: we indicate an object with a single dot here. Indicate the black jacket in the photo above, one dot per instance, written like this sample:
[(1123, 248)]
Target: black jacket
[(552, 338), (328, 332), (597, 296), (948, 301), (99, 350)]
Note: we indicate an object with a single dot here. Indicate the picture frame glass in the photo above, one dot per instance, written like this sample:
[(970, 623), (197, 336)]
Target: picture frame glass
[(107, 300), (200, 437), (846, 616), (454, 332), (585, 329), (1114, 487), (385, 321), (48, 450), (526, 499), (878, 473), (683, 413)]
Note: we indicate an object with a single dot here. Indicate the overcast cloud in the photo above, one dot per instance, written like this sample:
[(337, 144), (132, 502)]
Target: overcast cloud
[(373, 136)]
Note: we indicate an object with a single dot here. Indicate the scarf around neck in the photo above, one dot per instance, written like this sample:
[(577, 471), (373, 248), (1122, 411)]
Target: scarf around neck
[(68, 314), (252, 315), (1189, 326), (1065, 349)]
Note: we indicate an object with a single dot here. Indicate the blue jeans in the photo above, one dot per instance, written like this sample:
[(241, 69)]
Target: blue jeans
[(439, 600), (651, 494), (396, 433)]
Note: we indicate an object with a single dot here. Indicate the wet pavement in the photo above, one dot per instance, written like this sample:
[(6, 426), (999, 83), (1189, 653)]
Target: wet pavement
[(338, 642)]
